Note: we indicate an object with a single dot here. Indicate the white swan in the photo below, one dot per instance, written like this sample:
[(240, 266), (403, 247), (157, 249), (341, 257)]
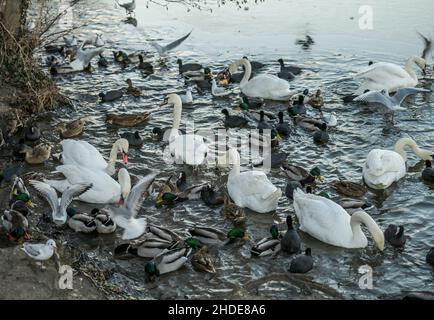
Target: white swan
[(389, 76), (264, 86), (327, 221), (190, 149), (251, 189), (384, 167), (82, 153), (104, 188)]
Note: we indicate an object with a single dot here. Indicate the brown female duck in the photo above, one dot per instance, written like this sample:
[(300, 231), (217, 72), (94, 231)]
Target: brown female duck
[(348, 188), (127, 120), (38, 154)]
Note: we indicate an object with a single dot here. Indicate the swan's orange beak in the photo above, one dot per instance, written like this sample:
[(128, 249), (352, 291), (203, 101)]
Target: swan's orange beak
[(125, 158)]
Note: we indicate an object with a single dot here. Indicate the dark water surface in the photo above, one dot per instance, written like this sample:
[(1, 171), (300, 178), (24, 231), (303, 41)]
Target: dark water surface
[(265, 33)]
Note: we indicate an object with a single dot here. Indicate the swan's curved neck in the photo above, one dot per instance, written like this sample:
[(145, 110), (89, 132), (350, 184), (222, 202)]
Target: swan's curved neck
[(234, 159), (247, 70), (360, 217), (402, 143), (113, 157), (409, 67), (177, 110), (124, 180)]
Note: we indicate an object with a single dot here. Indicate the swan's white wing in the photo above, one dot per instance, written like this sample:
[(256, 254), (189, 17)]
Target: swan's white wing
[(70, 193), (383, 71), (48, 193), (137, 195), (82, 153), (268, 87)]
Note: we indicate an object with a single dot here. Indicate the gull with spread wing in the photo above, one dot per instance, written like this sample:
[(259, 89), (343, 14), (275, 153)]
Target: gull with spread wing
[(163, 49), (59, 206), (125, 215)]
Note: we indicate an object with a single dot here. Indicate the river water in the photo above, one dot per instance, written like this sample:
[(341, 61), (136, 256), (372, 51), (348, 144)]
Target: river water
[(266, 32)]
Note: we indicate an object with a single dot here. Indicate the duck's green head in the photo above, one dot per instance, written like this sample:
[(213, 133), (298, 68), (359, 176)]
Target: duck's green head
[(151, 270), (71, 212), (193, 243), (24, 197), (166, 198), (274, 231), (316, 172), (324, 194), (238, 233), (207, 71)]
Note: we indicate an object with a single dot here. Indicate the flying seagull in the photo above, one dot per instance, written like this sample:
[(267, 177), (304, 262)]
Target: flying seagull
[(427, 46), (163, 49), (392, 103), (59, 206), (125, 215)]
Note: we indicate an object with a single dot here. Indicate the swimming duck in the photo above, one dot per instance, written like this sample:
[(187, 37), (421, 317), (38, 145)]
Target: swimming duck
[(308, 123), (251, 189), (134, 139), (59, 205), (283, 128), (80, 222), (167, 261), (211, 196), (291, 241), (71, 129), (188, 66), (428, 172), (127, 120), (348, 188), (16, 225), (268, 246), (349, 203), (430, 257), (321, 136), (145, 66), (395, 235), (298, 107), (121, 57), (288, 69), (233, 212), (32, 134), (248, 103), (104, 224), (302, 263), (37, 155), (19, 192), (327, 221), (384, 167), (316, 101), (111, 95), (296, 173), (232, 121), (133, 91), (202, 260), (159, 232), (102, 62), (210, 236)]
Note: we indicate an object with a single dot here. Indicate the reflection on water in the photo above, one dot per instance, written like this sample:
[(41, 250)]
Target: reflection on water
[(267, 34)]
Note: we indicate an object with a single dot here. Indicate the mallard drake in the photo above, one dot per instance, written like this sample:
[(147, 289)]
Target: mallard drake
[(298, 107), (203, 261), (188, 66), (161, 233), (210, 236), (167, 261), (284, 129), (296, 173), (127, 120), (171, 193), (134, 138), (234, 121), (71, 129), (111, 95), (348, 203), (267, 246), (348, 188), (131, 90), (395, 235), (233, 212), (32, 134), (121, 57), (211, 196), (80, 222), (302, 263), (290, 242), (20, 192), (308, 123), (104, 224), (38, 154), (316, 101), (428, 172), (146, 248), (16, 225), (321, 136)]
